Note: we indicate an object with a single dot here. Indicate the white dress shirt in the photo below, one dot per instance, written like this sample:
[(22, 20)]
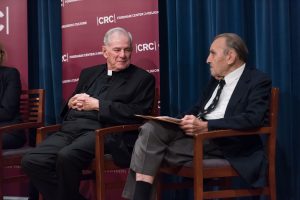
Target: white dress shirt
[(231, 81)]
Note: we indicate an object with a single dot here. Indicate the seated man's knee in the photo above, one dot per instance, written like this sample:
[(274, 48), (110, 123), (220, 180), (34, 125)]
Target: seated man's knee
[(148, 128), (153, 129), (65, 157), (28, 162), (62, 155)]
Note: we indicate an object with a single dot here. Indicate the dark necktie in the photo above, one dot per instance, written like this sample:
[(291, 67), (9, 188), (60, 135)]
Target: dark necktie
[(215, 101)]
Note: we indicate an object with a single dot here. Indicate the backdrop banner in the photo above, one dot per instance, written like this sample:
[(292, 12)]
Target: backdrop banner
[(84, 23)]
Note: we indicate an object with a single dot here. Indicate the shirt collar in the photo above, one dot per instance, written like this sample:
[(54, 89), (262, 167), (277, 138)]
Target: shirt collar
[(234, 75)]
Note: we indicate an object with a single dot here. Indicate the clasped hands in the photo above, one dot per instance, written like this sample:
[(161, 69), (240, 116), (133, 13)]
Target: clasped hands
[(191, 125), (83, 101)]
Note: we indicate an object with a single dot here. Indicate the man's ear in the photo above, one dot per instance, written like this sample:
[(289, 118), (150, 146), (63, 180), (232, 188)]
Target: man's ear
[(104, 51), (231, 57)]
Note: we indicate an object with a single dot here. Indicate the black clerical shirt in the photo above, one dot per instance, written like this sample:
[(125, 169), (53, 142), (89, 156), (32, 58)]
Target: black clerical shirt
[(81, 121)]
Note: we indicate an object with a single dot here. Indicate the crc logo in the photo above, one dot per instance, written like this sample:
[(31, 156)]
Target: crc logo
[(65, 58), (4, 20), (151, 46), (106, 19)]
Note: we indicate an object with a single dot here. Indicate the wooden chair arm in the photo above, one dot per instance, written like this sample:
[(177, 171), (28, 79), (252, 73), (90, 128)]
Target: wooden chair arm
[(18, 126), (117, 129), (100, 134), (231, 133), (42, 132), (201, 137), (22, 125)]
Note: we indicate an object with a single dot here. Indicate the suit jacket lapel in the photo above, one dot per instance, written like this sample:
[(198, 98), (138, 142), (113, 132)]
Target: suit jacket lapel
[(238, 91)]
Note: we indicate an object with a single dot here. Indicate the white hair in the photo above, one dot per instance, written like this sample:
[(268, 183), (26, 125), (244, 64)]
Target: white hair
[(119, 30)]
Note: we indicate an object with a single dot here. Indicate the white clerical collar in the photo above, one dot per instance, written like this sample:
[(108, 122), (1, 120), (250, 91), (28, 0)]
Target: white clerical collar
[(109, 72)]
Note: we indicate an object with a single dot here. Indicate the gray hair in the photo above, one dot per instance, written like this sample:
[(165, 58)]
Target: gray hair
[(233, 41), (119, 30)]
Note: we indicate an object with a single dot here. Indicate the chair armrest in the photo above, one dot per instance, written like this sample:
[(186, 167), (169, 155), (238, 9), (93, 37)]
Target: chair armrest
[(201, 137), (117, 129), (102, 132), (18, 126), (43, 131), (22, 125), (99, 146), (231, 133)]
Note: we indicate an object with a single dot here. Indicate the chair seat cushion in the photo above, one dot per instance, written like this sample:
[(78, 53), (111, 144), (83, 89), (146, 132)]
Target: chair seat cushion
[(15, 152), (108, 157), (211, 163)]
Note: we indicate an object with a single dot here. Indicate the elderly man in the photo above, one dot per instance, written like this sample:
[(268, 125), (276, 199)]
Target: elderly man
[(105, 95), (237, 97)]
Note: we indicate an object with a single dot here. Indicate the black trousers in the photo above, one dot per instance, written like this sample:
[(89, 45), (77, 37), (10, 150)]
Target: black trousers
[(55, 165)]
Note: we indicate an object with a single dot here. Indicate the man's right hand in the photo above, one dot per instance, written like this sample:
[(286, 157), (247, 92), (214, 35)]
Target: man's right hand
[(83, 101), (191, 125), (77, 100)]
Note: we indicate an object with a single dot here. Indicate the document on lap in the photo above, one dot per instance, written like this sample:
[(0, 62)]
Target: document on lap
[(161, 118)]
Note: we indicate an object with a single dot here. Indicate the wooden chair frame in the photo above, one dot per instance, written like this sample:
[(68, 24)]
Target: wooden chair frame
[(200, 171), (100, 164), (32, 106), (103, 162)]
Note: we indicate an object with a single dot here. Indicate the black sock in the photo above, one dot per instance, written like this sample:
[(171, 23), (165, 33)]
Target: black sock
[(142, 190)]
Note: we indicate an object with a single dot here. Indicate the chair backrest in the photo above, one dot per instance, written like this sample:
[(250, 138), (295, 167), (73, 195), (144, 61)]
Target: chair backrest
[(273, 113), (32, 105), (271, 146)]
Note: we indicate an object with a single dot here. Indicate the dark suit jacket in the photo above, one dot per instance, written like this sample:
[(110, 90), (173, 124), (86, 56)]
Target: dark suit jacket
[(10, 91), (247, 108), (132, 93)]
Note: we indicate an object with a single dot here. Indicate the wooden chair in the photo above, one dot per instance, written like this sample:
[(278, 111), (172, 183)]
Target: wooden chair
[(102, 162), (32, 105), (219, 169), (42, 133)]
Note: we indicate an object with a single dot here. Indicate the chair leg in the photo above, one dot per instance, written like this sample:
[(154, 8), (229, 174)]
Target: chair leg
[(158, 190), (273, 192), (1, 192), (40, 196), (272, 186)]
